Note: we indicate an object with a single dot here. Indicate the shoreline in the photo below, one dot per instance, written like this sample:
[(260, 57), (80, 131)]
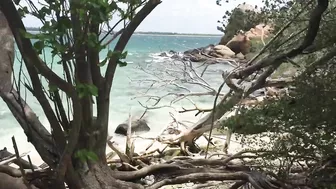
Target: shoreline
[(163, 34), (179, 35)]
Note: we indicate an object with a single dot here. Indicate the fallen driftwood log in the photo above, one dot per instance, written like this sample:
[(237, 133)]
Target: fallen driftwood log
[(7, 157)]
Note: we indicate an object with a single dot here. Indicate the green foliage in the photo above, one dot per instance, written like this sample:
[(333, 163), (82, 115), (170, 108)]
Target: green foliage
[(85, 155), (119, 56), (86, 90), (53, 88), (301, 127), (56, 32)]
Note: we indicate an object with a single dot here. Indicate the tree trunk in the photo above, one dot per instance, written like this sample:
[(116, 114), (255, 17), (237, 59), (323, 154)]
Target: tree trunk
[(6, 54), (95, 175)]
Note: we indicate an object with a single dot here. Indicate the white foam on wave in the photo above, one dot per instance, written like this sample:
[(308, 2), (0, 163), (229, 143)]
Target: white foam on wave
[(163, 56)]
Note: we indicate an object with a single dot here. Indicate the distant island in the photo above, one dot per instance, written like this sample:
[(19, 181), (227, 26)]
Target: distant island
[(36, 29)]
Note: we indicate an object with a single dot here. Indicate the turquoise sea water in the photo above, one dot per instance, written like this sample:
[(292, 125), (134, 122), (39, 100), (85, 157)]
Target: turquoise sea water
[(131, 82)]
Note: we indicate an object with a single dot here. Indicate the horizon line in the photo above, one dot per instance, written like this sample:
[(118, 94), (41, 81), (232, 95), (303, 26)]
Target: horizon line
[(149, 32)]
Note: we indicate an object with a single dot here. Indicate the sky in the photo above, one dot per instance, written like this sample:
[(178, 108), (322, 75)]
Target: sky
[(181, 16)]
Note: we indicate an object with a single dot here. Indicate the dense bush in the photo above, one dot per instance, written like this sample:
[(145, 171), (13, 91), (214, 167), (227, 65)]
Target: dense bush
[(301, 127)]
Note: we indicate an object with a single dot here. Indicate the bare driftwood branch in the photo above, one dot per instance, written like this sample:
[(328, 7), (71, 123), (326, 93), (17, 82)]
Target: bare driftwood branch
[(4, 153), (20, 166), (36, 132), (10, 171)]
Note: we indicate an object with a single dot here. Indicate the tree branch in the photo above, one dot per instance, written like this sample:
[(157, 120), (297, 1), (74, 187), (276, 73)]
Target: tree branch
[(199, 177), (313, 27), (26, 48), (34, 63), (35, 131), (124, 38)]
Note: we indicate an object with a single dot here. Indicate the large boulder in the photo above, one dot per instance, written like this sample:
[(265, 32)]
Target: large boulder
[(240, 56), (191, 51), (240, 44), (260, 30), (224, 51), (199, 54), (137, 126)]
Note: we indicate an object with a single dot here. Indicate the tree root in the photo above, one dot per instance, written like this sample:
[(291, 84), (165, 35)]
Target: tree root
[(199, 177), (10, 171)]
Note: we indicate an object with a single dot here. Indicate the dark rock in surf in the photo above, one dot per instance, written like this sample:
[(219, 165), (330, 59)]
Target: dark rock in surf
[(197, 58), (175, 56), (172, 52), (138, 125), (163, 54), (191, 51)]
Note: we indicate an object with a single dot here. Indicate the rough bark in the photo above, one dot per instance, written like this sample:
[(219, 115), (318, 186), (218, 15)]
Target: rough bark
[(99, 176), (6, 54), (25, 164)]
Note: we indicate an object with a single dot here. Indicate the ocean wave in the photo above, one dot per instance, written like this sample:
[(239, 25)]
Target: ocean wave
[(5, 114), (128, 62), (165, 55)]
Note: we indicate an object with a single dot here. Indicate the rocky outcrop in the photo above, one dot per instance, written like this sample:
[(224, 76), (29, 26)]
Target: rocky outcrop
[(137, 125), (222, 51), (210, 54), (243, 17), (259, 31), (240, 44), (236, 48), (210, 51)]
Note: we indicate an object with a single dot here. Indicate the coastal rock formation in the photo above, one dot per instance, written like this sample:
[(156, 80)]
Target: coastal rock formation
[(210, 54), (243, 17), (240, 56), (137, 125), (259, 31), (222, 51), (236, 48), (240, 44)]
